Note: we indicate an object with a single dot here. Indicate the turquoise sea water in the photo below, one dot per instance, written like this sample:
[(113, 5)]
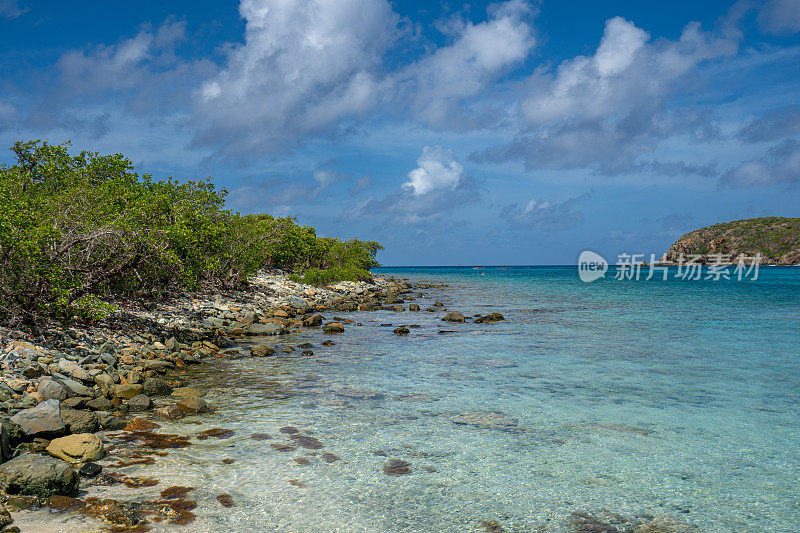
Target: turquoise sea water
[(675, 398)]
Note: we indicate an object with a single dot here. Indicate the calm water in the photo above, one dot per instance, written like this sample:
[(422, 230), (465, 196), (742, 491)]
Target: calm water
[(674, 398)]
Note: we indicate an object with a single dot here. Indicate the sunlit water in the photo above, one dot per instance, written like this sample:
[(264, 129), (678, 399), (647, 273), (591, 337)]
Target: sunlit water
[(675, 398)]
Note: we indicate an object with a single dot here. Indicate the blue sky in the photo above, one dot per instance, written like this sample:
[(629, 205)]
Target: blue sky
[(454, 133)]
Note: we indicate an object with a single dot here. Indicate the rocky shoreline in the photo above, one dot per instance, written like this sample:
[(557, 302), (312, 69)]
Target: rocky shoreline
[(69, 396)]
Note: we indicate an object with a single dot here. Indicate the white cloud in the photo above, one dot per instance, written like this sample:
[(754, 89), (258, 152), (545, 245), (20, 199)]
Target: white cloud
[(780, 17), (303, 68), (438, 169), (625, 71), (436, 85), (543, 215)]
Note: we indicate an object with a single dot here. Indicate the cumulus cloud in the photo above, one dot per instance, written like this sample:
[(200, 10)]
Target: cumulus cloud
[(437, 169), (303, 68), (543, 215), (780, 17), (604, 110), (437, 85), (771, 126), (438, 185), (781, 164), (11, 9)]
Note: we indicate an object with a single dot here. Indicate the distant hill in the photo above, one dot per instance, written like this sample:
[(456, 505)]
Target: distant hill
[(777, 239)]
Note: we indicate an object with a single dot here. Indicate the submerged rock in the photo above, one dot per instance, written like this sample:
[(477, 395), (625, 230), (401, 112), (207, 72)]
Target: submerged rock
[(193, 405), (261, 351), (155, 387), (37, 475), (401, 330), (358, 394), (486, 419), (90, 470), (397, 467)]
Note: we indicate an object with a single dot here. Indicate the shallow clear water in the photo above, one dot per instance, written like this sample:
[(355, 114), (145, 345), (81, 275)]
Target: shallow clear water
[(674, 398)]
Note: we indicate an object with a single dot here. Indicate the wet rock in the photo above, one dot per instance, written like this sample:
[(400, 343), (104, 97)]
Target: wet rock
[(217, 433), (77, 448), (193, 405), (486, 420), (401, 330), (437, 303), (42, 420), (307, 353), (158, 365), (22, 503), (262, 351), (453, 317), (333, 327), (38, 475), (413, 307), (313, 321), (140, 424), (100, 404), (492, 526), (490, 318), (263, 330), (307, 442), (328, 343), (111, 422), (288, 349), (112, 512), (397, 467), (79, 421), (155, 387), (357, 394), (225, 500), (302, 461), (127, 391), (90, 470), (185, 392), (171, 412)]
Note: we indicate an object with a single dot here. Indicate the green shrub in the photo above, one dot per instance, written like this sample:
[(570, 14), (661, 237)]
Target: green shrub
[(78, 230)]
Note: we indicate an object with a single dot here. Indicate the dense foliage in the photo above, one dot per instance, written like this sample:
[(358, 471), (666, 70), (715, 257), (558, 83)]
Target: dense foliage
[(78, 231)]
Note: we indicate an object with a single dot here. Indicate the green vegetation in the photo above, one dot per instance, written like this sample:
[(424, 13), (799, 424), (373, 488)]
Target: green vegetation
[(777, 239), (76, 232)]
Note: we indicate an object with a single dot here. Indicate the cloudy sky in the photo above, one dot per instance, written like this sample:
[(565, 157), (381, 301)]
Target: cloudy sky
[(454, 133)]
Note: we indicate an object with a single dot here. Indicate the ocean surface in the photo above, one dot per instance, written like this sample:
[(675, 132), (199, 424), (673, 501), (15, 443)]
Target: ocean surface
[(656, 398)]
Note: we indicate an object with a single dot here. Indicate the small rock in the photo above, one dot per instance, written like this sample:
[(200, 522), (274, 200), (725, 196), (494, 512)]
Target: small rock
[(312, 321), (79, 421), (171, 412), (155, 387), (100, 404), (185, 392), (50, 390), (77, 448), (413, 307), (401, 330), (193, 405), (261, 351), (127, 391), (397, 467), (453, 317), (261, 330), (90, 470), (486, 419), (333, 327), (140, 402), (491, 317)]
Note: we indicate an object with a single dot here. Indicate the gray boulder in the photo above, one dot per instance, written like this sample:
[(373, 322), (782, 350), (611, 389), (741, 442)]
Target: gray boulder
[(79, 421), (156, 387), (37, 475), (140, 402), (42, 420), (50, 390), (453, 317)]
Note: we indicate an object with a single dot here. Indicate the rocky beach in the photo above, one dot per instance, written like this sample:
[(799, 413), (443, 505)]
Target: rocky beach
[(74, 397)]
